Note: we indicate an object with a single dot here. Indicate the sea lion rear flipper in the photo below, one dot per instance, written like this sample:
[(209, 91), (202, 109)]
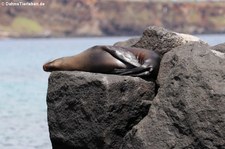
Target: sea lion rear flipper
[(119, 71), (138, 71), (145, 73)]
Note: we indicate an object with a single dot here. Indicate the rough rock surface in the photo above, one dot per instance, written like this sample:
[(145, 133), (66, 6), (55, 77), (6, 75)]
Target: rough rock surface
[(128, 43), (90, 111), (219, 50), (159, 39), (189, 109), (94, 111), (162, 40), (219, 47)]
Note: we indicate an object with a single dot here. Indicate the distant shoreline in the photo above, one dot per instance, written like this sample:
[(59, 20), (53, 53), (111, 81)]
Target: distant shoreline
[(80, 37), (98, 18)]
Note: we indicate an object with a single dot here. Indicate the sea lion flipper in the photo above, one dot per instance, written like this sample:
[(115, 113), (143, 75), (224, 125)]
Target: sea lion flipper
[(119, 71), (123, 55), (145, 73), (138, 71)]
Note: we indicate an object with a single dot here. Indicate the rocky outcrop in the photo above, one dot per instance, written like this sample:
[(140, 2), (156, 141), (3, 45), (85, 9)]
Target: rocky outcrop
[(93, 111), (184, 109), (219, 47), (128, 43), (159, 39), (162, 40), (189, 109)]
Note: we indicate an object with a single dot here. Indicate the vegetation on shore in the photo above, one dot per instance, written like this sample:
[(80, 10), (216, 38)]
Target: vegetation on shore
[(60, 18)]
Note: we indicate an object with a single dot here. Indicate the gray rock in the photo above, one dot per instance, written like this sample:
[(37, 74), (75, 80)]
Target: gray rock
[(162, 40), (128, 43), (92, 111), (219, 47), (219, 50), (159, 39), (189, 109)]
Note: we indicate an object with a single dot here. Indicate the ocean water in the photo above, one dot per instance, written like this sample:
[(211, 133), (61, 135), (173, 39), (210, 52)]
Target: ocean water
[(23, 85)]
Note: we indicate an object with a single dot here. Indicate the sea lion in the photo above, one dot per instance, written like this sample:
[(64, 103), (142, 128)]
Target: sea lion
[(111, 60)]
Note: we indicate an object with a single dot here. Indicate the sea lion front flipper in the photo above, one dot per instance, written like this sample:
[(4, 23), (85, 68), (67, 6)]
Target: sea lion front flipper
[(123, 55)]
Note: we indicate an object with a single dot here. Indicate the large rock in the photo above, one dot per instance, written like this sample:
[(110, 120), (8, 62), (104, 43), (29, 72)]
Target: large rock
[(189, 109), (92, 111), (159, 39), (162, 40), (219, 50), (128, 43), (219, 47)]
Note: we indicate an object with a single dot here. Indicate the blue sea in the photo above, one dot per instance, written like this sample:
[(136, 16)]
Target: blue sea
[(23, 85)]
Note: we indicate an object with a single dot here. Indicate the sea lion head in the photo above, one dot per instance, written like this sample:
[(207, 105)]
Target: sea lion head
[(53, 65)]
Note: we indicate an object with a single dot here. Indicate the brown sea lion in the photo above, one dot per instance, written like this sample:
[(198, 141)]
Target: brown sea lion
[(110, 60)]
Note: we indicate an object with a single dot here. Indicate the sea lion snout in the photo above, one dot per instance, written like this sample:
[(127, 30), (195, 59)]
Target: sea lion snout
[(49, 67), (46, 67)]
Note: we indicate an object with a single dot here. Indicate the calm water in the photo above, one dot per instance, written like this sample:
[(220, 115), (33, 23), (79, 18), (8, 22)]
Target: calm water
[(23, 86)]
